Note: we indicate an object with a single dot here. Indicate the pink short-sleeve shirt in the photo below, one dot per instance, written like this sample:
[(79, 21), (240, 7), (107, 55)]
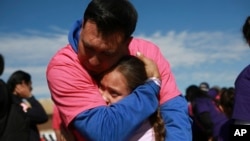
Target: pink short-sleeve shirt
[(73, 90)]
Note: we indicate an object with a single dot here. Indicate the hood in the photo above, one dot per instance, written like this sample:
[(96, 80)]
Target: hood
[(74, 34)]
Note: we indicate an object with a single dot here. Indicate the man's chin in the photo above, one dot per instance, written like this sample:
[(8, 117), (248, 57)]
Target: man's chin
[(94, 73)]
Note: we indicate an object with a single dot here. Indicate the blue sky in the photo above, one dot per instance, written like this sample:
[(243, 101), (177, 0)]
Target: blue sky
[(201, 39)]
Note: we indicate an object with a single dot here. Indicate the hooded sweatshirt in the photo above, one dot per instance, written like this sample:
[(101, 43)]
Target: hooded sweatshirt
[(86, 109)]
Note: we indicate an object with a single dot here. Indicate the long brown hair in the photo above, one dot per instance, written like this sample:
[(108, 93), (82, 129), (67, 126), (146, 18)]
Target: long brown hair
[(227, 100)]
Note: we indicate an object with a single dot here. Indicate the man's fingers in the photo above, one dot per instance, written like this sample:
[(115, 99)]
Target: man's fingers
[(150, 66), (139, 55), (143, 58)]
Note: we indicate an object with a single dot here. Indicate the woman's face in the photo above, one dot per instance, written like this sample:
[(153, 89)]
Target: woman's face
[(113, 87)]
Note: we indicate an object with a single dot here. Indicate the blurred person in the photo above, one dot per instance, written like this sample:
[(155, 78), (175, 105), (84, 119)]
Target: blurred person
[(227, 101), (204, 86), (1, 64), (241, 111), (226, 106), (213, 93), (206, 114), (96, 43), (29, 111), (236, 100), (4, 100), (197, 129), (217, 95), (119, 82)]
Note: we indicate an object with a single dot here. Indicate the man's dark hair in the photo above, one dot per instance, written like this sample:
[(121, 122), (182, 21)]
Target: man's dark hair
[(112, 16), (246, 30), (1, 64), (17, 78)]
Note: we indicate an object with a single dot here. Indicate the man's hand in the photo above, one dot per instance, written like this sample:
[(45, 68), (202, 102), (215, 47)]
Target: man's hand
[(150, 66)]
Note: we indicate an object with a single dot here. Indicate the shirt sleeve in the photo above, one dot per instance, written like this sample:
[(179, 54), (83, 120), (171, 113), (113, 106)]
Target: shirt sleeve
[(72, 89), (120, 120)]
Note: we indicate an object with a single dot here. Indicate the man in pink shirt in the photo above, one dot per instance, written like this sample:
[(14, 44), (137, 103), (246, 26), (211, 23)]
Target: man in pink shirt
[(95, 44)]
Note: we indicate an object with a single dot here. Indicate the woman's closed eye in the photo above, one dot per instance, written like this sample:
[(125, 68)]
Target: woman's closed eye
[(114, 94)]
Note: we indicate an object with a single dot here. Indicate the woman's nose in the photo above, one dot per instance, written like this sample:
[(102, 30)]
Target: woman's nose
[(106, 98)]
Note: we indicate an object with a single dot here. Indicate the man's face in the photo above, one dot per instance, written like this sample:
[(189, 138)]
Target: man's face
[(97, 53)]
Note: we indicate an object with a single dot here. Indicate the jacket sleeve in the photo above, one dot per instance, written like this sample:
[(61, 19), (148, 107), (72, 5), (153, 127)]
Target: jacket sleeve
[(119, 120), (177, 121), (36, 113)]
